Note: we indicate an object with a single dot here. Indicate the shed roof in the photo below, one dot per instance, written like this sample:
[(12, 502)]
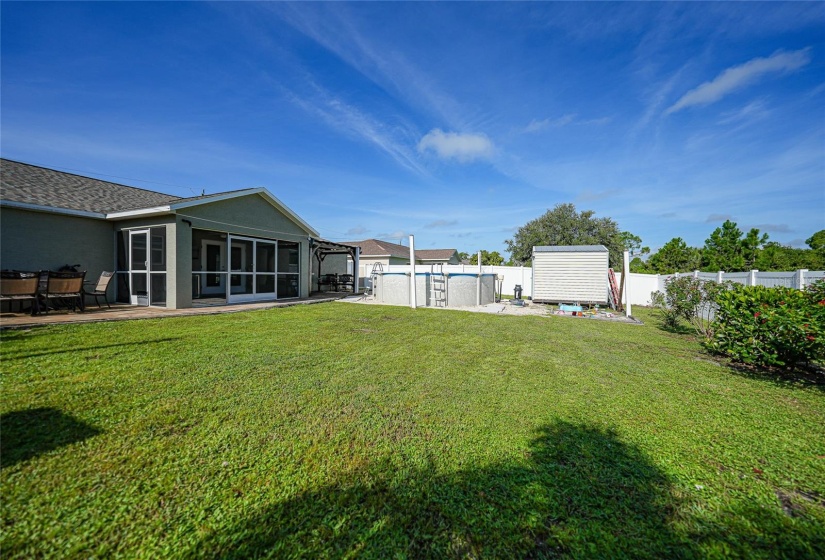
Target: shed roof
[(570, 249)]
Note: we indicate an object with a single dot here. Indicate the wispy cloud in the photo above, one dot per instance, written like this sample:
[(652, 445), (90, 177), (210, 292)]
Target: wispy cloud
[(588, 195), (713, 218), (441, 224), (538, 126), (774, 228), (668, 215), (350, 120), (336, 29), (358, 230), (737, 77), (565, 120), (462, 147), (754, 110), (398, 236)]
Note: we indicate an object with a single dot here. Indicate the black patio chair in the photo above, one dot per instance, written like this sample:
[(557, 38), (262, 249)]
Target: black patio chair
[(345, 280), (100, 288)]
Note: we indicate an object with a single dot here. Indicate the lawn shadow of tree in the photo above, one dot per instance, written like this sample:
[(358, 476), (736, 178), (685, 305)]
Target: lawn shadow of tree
[(24, 355), (579, 491), (812, 376), (25, 434)]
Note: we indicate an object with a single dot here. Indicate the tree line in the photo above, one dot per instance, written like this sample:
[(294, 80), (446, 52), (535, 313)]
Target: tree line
[(727, 248)]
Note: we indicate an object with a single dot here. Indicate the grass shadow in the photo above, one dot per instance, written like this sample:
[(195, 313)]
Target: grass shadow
[(25, 434), (72, 349), (812, 376), (579, 491)]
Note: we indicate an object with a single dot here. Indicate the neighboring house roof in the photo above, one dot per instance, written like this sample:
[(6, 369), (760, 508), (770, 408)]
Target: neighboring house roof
[(570, 249), (374, 248), (37, 188), (436, 254)]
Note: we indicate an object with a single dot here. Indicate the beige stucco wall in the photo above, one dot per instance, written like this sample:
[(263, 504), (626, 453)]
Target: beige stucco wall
[(43, 241)]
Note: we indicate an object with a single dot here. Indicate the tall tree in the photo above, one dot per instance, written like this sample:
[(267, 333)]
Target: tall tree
[(674, 256), (633, 244), (817, 241), (563, 225), (727, 250), (487, 258)]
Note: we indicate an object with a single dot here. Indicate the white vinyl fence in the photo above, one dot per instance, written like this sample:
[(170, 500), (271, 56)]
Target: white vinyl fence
[(642, 286), (512, 275)]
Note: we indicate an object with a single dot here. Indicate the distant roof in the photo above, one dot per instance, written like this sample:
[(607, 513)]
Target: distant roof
[(41, 189), (570, 249), (379, 248), (435, 254)]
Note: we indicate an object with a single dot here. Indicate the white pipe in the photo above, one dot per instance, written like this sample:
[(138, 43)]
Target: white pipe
[(356, 269), (626, 278), (478, 281), (412, 273)]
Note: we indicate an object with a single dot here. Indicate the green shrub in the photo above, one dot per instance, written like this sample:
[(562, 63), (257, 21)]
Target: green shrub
[(691, 300), (771, 326)]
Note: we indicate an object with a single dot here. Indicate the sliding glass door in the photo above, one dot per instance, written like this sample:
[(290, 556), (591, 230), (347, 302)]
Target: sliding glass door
[(255, 269)]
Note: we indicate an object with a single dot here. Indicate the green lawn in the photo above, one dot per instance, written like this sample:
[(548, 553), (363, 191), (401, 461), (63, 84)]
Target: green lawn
[(340, 430)]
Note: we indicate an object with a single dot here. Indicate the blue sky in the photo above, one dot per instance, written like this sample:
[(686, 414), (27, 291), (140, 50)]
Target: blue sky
[(455, 122)]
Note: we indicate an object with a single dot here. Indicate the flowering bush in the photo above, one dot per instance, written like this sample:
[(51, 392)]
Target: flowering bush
[(771, 326), (689, 299)]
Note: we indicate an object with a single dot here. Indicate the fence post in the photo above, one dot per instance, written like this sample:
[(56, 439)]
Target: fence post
[(799, 279), (628, 310), (695, 274), (752, 278), (719, 276)]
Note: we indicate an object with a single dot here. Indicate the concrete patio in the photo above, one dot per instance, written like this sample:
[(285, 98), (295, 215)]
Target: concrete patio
[(123, 312)]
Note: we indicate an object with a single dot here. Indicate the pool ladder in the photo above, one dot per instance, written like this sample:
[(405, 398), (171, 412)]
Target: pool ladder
[(376, 269), (438, 282)]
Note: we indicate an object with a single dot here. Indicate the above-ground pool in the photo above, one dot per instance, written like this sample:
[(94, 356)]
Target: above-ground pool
[(434, 289)]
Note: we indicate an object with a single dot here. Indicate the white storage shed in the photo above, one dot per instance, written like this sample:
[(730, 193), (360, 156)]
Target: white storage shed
[(570, 274)]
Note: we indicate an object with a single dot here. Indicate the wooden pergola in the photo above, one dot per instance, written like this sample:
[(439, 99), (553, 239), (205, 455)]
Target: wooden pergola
[(321, 248)]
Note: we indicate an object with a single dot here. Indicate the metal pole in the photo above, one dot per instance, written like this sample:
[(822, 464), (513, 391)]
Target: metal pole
[(626, 278), (356, 269), (412, 273), (478, 281)]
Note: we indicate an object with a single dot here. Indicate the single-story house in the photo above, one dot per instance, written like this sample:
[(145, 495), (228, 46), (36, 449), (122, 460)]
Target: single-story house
[(236, 246), (374, 251)]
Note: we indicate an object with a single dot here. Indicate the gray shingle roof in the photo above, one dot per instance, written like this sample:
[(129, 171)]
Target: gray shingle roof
[(377, 247), (30, 184), (435, 254)]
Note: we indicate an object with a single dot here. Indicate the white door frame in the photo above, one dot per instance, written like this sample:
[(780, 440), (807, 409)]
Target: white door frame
[(133, 297), (220, 289), (245, 258)]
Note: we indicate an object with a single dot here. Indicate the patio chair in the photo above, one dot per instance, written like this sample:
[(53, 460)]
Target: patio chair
[(345, 280), (100, 288), (330, 280), (20, 286), (64, 286)]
